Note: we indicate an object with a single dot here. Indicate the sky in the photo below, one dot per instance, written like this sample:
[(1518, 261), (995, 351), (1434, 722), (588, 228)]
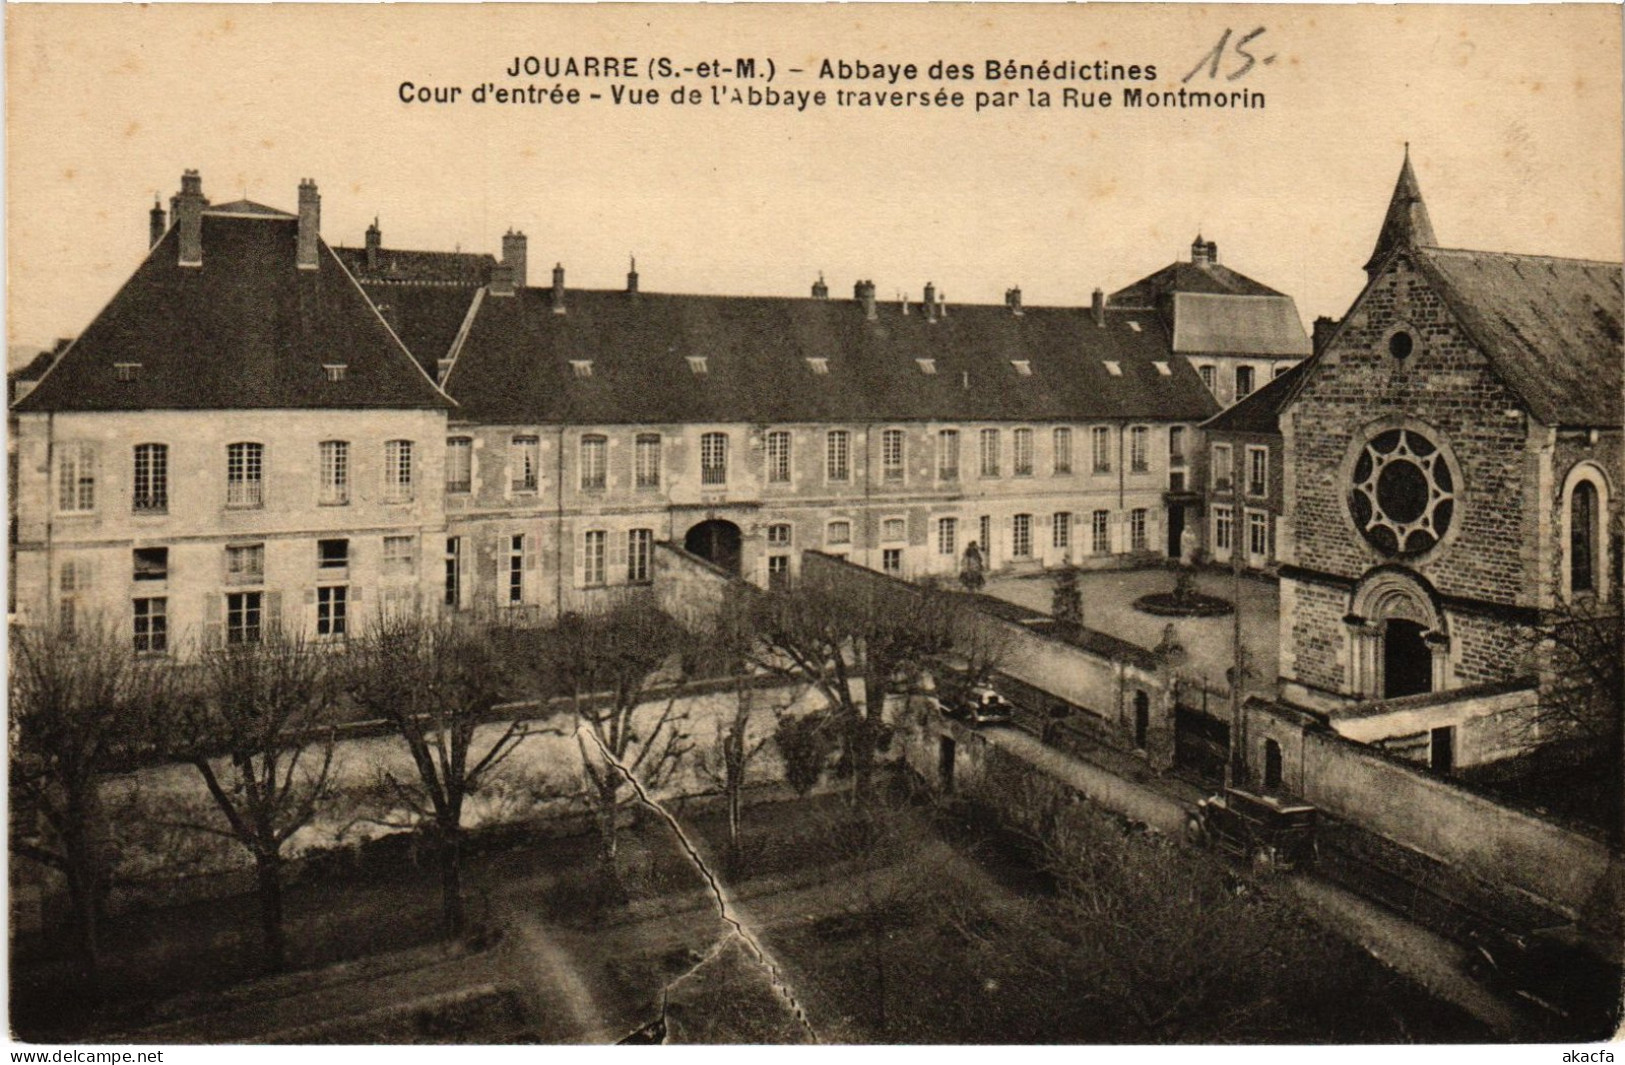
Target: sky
[(1512, 114)]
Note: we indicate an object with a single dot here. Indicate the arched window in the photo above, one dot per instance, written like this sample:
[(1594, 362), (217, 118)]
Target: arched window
[(1583, 537)]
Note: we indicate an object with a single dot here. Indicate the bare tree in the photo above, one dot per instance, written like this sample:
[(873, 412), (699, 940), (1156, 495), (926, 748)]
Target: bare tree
[(256, 725), (436, 681), (80, 704)]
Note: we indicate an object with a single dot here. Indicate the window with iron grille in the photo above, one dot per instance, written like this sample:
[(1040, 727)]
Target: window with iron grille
[(714, 459), (1101, 530), (459, 464), (398, 470), (891, 454), (948, 454), (639, 548), (335, 460), (947, 536), (1061, 537), (1136, 529), (1023, 448), (1063, 451), (592, 556), (243, 615), (1139, 448), (525, 455), (1101, 439), (76, 477), (245, 471), (1021, 536), (646, 460), (838, 455), (151, 621), (594, 454), (151, 480), (331, 603), (990, 452), (778, 456)]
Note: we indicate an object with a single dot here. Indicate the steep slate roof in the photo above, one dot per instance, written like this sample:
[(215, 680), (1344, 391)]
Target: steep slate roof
[(514, 365), (1407, 223), (1550, 327), (1259, 412), (1242, 325), (1189, 277), (425, 317), (399, 267), (246, 330)]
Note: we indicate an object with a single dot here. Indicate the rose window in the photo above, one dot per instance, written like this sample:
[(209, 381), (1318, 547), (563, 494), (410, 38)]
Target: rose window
[(1403, 495)]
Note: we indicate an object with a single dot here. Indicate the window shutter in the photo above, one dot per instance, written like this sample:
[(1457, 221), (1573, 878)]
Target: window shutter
[(581, 558)]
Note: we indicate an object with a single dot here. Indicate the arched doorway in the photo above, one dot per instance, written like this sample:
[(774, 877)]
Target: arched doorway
[(1142, 720), (716, 541), (1407, 660)]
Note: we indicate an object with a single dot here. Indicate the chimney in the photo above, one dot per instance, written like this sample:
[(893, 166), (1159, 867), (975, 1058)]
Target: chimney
[(1012, 300), (558, 288), (632, 278), (820, 291), (187, 210), (156, 224), (1212, 251), (864, 291), (310, 224), (930, 302), (375, 243), (513, 256), (1097, 307), (1204, 251), (502, 280)]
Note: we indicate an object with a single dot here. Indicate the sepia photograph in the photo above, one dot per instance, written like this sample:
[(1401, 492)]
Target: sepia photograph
[(849, 524)]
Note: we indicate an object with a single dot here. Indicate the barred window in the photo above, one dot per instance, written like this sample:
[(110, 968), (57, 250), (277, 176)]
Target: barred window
[(151, 480), (646, 459), (525, 454), (594, 453), (335, 457), (714, 459), (778, 456), (245, 470), (76, 477), (459, 464)]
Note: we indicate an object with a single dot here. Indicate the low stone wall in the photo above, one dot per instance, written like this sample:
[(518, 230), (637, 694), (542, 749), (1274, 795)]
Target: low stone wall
[(688, 587)]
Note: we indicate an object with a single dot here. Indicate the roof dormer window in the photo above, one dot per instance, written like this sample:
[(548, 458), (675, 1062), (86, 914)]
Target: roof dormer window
[(1134, 326), (1163, 368), (581, 367), (126, 371), (1112, 367), (818, 366), (1023, 367), (927, 366), (335, 371), (696, 363)]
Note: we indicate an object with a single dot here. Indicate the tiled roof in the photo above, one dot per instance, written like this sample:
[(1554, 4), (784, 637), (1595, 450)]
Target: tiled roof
[(1550, 327), (515, 365), (1205, 277), (1259, 412), (1210, 324), (398, 267), (246, 330)]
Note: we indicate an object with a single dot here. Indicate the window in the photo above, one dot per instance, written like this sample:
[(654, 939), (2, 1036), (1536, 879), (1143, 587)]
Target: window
[(1223, 525), (646, 460), (151, 563), (696, 365), (1176, 445), (948, 454), (1258, 533), (1113, 367), (454, 571), (985, 530), (126, 371), (894, 529), (1063, 451), (1583, 512), (1280, 368), (927, 366), (335, 371), (398, 471), (1022, 439), (516, 568), (459, 464), (714, 458), (1136, 529), (1062, 535), (990, 452), (1100, 437), (1258, 466), (891, 560), (245, 564), (151, 618), (594, 459), (891, 454), (640, 545), (1139, 446), (332, 554), (779, 535), (778, 572), (838, 533), (331, 600), (76, 477), (581, 367), (245, 470), (592, 556), (398, 556), (820, 367), (1221, 467), (243, 615), (1163, 369), (1209, 377), (778, 457), (525, 460), (1021, 536), (948, 536), (1023, 367), (335, 462), (837, 465), (1244, 382), (1101, 529), (151, 480)]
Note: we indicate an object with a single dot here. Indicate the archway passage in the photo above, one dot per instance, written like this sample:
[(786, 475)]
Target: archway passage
[(717, 542), (1407, 661)]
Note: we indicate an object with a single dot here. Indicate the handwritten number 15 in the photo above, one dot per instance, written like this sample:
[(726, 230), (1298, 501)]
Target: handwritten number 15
[(1212, 58)]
